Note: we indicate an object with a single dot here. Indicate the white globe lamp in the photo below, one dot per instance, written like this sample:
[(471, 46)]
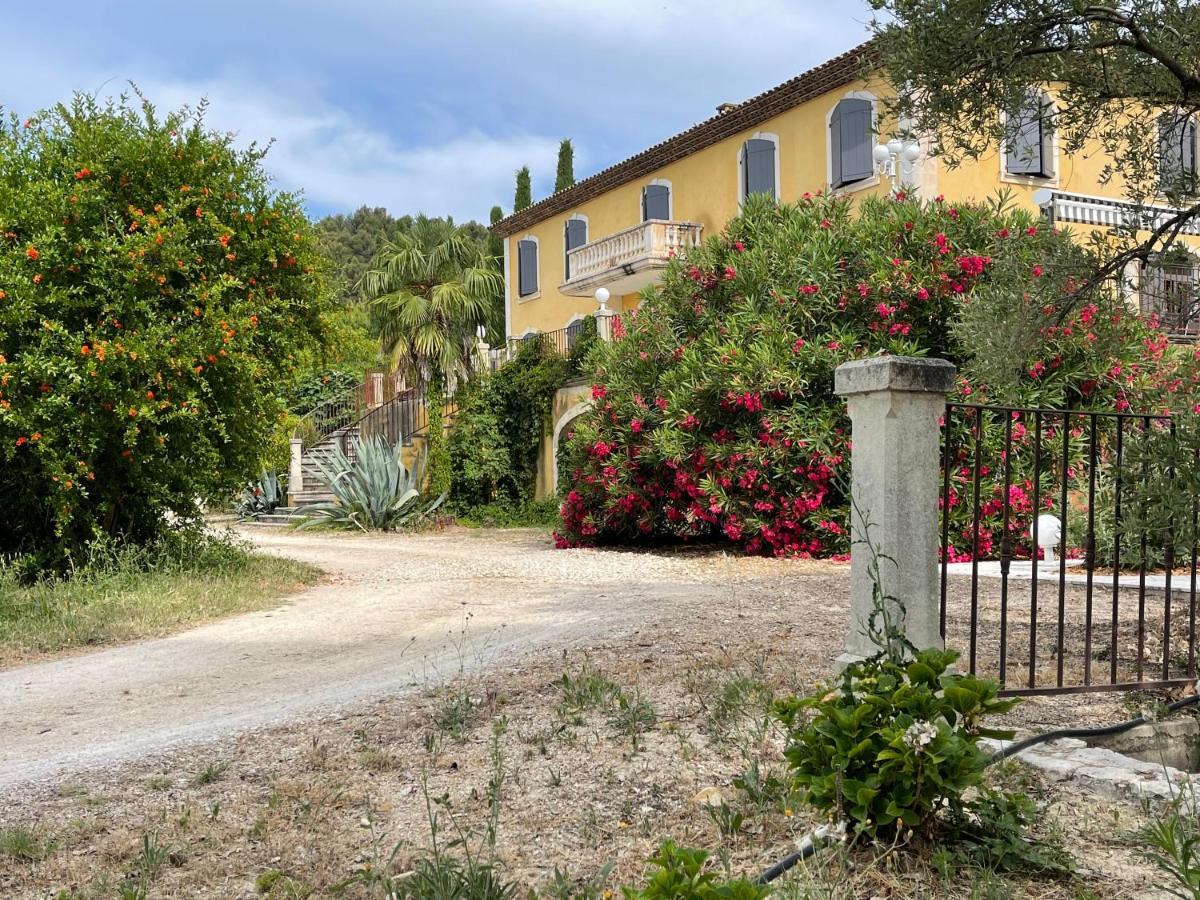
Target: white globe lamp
[(602, 296), (1049, 535)]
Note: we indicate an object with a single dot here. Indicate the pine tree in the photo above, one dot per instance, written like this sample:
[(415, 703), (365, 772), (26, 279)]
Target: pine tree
[(565, 177), (524, 195)]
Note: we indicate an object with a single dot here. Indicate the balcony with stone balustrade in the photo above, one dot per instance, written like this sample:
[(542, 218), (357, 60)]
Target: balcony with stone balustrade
[(629, 260)]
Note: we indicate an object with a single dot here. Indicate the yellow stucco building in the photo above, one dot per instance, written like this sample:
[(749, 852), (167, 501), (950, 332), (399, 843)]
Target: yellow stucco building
[(815, 132)]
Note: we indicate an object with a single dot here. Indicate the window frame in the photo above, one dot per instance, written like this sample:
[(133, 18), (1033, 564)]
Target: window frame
[(537, 268), (741, 166), (657, 182), (1049, 147), (567, 248), (864, 183), (1194, 174)]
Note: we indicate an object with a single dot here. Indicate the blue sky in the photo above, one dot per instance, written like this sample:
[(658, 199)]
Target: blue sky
[(426, 106)]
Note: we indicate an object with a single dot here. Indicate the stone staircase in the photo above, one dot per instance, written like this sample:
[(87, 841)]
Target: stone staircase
[(310, 488)]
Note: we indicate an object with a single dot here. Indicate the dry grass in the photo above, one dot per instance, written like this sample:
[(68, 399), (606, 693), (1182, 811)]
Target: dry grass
[(582, 781), (128, 597)]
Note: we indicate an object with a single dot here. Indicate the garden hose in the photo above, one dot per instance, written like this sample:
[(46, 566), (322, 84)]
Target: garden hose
[(1102, 731), (826, 834)]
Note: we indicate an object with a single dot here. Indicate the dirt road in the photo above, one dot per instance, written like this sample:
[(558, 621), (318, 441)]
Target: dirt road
[(395, 612)]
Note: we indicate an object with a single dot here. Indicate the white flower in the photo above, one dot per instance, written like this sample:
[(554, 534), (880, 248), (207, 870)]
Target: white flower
[(919, 735)]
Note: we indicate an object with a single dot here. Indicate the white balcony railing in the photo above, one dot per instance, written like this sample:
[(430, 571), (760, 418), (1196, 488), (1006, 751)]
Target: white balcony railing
[(627, 260)]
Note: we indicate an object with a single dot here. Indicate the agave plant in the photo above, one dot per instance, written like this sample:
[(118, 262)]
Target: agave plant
[(262, 496), (373, 492)]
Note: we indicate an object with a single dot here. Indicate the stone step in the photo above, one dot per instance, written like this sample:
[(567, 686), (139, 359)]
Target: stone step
[(307, 498)]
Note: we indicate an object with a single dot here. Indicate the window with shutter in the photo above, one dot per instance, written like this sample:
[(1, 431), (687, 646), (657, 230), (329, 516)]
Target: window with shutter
[(573, 331), (574, 235), (1177, 153), (527, 267), (758, 167), (656, 202), (851, 128), (1028, 139)]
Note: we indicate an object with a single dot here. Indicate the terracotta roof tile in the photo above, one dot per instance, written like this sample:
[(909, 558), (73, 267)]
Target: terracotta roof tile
[(824, 78)]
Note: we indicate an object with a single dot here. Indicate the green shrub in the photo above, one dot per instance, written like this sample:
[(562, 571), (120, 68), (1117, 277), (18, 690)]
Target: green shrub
[(373, 492), (894, 744), (499, 424), (154, 293), (678, 873)]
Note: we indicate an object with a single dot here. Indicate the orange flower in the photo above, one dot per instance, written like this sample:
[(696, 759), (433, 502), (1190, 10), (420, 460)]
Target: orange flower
[(149, 395), (198, 369), (3, 295), (83, 173), (32, 252), (196, 311), (253, 319), (22, 441), (37, 279), (132, 412), (223, 240), (133, 354), (85, 350), (36, 436), (211, 358)]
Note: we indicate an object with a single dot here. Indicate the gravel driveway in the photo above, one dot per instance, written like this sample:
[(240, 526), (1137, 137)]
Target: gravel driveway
[(395, 612)]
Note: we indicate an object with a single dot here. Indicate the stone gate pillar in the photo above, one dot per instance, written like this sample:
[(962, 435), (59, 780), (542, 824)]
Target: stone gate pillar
[(895, 405)]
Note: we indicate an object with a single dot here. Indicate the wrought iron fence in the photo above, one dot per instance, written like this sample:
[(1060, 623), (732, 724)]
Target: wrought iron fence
[(1117, 608), (563, 341)]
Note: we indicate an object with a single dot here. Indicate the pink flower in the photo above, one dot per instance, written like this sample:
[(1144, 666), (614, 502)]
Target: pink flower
[(636, 426), (599, 392), (730, 273), (739, 246)]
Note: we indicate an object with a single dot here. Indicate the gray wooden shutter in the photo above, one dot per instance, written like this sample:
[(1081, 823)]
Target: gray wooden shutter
[(758, 159), (835, 145), (574, 235), (852, 148), (656, 202), (1025, 154), (527, 262), (1188, 153)]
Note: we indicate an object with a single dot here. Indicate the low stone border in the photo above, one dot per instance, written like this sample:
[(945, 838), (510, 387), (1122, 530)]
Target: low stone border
[(1106, 772)]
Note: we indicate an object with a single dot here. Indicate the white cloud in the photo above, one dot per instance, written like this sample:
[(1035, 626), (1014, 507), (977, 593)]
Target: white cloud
[(342, 163)]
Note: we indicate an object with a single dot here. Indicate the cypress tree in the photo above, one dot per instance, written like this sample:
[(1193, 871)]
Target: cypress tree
[(495, 245), (565, 177), (524, 195)]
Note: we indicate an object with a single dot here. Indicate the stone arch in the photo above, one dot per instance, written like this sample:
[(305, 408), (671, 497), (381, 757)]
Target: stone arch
[(570, 415)]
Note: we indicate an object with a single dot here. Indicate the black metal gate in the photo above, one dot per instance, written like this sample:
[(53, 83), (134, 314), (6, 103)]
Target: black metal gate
[(1117, 608)]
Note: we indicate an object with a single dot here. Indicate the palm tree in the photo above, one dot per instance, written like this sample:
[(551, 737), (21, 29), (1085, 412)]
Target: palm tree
[(430, 290)]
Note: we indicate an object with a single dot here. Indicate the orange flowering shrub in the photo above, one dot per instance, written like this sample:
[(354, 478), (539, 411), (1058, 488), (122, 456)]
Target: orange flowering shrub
[(154, 293)]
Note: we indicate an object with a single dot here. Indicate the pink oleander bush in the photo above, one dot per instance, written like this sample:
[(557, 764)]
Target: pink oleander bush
[(714, 415)]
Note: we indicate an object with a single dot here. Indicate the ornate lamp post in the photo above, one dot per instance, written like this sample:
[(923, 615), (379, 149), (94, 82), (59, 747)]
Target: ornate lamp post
[(896, 160)]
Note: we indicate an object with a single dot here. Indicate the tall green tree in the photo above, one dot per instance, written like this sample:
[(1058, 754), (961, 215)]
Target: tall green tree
[(1114, 67), (565, 175), (431, 289), (524, 194), (495, 243)]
